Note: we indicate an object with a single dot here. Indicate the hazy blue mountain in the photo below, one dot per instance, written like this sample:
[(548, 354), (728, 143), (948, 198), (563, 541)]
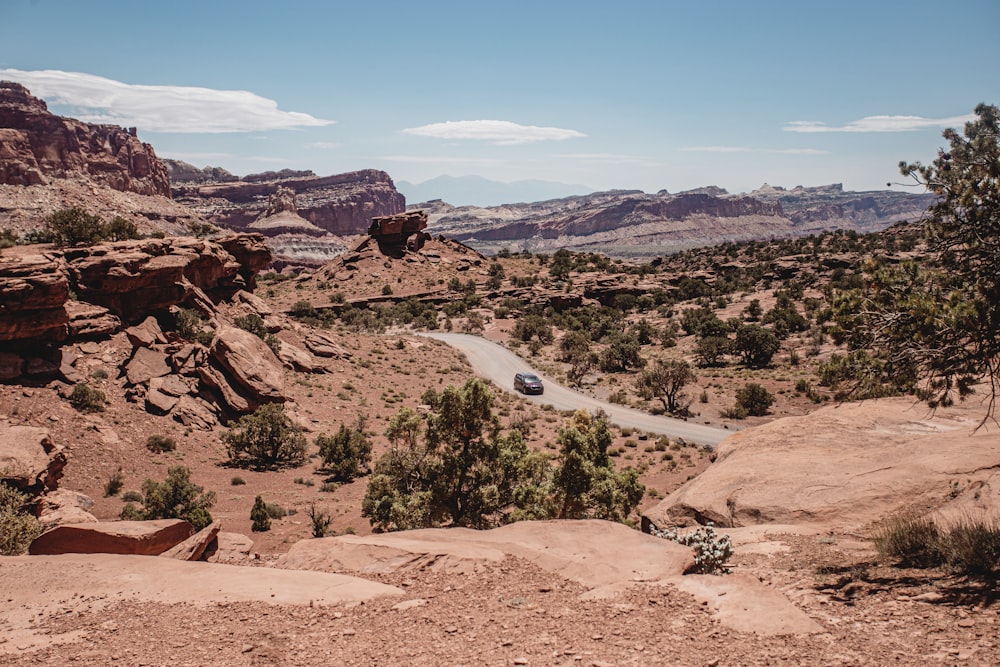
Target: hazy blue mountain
[(479, 191)]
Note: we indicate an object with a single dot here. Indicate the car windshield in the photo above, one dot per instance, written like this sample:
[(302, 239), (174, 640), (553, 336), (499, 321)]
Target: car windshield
[(528, 377)]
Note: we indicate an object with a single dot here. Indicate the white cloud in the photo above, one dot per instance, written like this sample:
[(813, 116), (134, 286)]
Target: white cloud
[(880, 124), (497, 132), (326, 145), (183, 109)]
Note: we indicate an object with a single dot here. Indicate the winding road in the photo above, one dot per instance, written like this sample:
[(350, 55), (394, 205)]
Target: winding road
[(499, 365)]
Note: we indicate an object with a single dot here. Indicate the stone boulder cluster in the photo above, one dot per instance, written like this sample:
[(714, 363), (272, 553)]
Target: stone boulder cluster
[(36, 146)]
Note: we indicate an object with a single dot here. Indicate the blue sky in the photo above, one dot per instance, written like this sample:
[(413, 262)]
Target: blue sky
[(636, 94)]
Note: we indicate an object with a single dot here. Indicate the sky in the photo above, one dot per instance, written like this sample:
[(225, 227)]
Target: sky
[(624, 94)]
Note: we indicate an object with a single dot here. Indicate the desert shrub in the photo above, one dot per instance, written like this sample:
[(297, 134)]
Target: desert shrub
[(132, 497), (347, 453), (99, 374), (159, 444), (735, 412), (237, 481), (756, 344), (320, 521), (260, 517), (114, 484), (265, 439), (177, 497), (254, 323), (74, 226), (120, 229), (18, 526), (189, 326), (276, 511), (87, 399), (8, 238), (971, 546), (910, 540), (711, 550), (755, 399), (302, 309), (328, 487)]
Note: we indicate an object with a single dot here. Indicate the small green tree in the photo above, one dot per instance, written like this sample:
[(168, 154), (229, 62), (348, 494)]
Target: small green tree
[(756, 344), (666, 380), (621, 354), (177, 497), (458, 469), (120, 229), (259, 516), (347, 453), (754, 399), (265, 438), (18, 526), (585, 483)]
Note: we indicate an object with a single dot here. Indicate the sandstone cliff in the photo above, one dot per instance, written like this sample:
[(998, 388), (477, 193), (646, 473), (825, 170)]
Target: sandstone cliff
[(37, 146), (341, 204)]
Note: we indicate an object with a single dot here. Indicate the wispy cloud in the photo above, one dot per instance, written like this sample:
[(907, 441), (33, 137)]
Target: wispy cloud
[(748, 149), (497, 132), (879, 124), (182, 109), (326, 145)]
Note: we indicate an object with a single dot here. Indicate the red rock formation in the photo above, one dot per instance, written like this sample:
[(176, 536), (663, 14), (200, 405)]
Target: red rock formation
[(140, 538), (342, 204), (36, 146)]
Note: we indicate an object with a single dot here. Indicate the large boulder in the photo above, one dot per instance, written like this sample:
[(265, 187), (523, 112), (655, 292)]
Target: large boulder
[(844, 466), (249, 363), (194, 547), (29, 460), (63, 506), (142, 538)]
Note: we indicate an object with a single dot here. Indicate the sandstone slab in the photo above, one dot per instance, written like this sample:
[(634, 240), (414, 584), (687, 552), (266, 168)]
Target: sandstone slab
[(143, 538), (194, 547), (29, 459), (146, 364), (250, 363)]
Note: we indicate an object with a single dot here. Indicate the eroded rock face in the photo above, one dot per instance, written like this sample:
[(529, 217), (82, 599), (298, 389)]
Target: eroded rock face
[(37, 146), (29, 460), (342, 204), (124, 280)]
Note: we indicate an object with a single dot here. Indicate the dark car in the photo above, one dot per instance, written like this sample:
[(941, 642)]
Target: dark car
[(528, 383)]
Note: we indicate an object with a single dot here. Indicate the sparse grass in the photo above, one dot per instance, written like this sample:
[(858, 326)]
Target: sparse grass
[(160, 443), (114, 484)]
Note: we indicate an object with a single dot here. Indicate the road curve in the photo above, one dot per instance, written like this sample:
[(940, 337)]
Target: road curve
[(499, 365)]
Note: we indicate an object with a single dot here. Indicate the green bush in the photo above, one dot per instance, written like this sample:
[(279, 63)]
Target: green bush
[(237, 481), (754, 399), (160, 443), (74, 226), (87, 399), (347, 453), (260, 516), (265, 439), (175, 498), (189, 326), (132, 497), (18, 527), (254, 323)]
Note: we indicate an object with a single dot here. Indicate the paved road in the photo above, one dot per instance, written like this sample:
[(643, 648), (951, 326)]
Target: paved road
[(499, 365)]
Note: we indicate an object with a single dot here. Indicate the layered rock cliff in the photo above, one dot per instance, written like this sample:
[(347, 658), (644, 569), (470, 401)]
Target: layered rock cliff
[(37, 146), (633, 223), (341, 204)]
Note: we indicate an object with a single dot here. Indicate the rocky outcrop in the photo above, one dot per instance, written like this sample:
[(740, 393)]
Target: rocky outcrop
[(282, 217), (250, 363), (29, 460), (341, 204), (183, 172), (118, 281), (846, 466), (37, 146), (140, 538), (62, 506)]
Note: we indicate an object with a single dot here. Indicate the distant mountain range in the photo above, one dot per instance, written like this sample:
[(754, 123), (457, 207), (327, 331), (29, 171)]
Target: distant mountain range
[(634, 223), (479, 191)]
